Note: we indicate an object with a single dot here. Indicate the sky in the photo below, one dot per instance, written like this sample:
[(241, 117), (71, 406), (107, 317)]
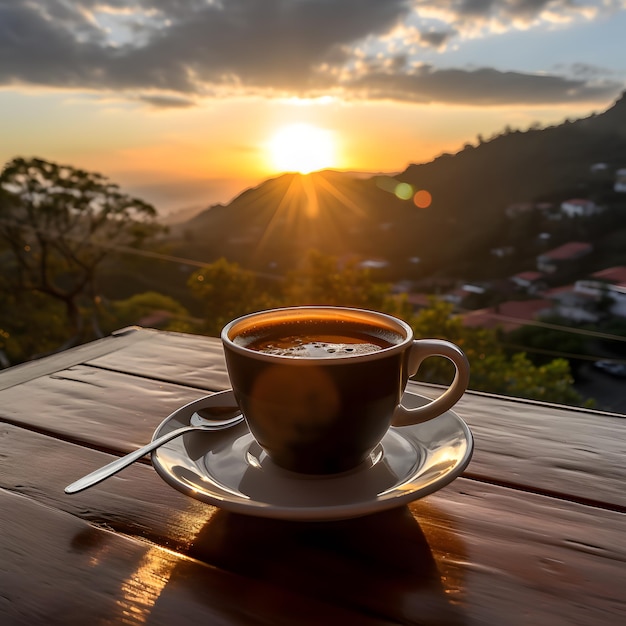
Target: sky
[(186, 103)]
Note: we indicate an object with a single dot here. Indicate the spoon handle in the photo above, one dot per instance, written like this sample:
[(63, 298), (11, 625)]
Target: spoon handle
[(119, 464)]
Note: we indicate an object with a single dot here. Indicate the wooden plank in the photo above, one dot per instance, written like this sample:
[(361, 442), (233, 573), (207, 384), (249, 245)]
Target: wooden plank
[(184, 359), (536, 447), (469, 554), (543, 447), (533, 445), (55, 362), (57, 569), (514, 558), (102, 409)]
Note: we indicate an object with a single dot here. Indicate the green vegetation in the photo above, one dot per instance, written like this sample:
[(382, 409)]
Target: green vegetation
[(60, 232), (57, 227), (80, 258), (494, 370)]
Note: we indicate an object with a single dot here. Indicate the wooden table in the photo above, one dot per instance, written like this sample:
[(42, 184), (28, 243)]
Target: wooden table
[(534, 532)]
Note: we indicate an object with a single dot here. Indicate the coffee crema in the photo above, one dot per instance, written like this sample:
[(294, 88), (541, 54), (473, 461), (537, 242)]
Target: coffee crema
[(315, 339)]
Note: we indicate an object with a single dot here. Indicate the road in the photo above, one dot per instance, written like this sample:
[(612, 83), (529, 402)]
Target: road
[(608, 391)]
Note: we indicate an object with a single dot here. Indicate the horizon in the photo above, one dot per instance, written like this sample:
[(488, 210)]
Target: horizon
[(187, 108)]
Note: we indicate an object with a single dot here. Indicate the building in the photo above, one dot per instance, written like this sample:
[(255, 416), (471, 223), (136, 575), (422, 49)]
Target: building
[(531, 282), (574, 305), (608, 288), (559, 258), (620, 181), (577, 207), (508, 315)]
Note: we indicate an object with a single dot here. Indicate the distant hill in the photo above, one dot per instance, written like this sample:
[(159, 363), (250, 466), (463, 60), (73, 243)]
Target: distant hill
[(181, 215), (268, 227)]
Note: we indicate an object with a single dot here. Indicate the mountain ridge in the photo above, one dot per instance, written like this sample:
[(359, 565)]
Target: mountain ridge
[(267, 227)]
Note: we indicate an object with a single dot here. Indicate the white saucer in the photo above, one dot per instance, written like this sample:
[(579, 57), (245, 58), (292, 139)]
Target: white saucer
[(228, 468)]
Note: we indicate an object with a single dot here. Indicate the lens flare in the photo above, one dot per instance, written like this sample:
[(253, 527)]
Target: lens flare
[(422, 199), (404, 191)]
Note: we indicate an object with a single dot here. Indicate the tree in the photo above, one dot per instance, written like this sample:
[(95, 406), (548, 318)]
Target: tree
[(323, 280), (542, 342), (174, 316), (58, 225), (491, 369), (30, 324), (226, 291)]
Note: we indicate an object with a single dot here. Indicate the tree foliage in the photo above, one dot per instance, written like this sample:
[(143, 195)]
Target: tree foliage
[(322, 279), (57, 226), (492, 370), (150, 309), (31, 324), (226, 291)]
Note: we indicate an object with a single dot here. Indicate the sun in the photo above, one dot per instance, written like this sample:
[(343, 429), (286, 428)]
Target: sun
[(302, 148)]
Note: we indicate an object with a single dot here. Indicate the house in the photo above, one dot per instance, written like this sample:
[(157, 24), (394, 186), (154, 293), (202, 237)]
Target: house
[(608, 288), (531, 282), (156, 319), (419, 301), (578, 207), (558, 258), (599, 167), (573, 305), (518, 208), (458, 296), (507, 315), (620, 181), (503, 251), (614, 275)]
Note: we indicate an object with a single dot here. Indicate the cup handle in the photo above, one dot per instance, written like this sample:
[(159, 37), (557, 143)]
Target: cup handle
[(420, 350)]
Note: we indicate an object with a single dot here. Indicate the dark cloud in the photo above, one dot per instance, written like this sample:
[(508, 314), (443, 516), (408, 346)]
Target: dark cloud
[(503, 11), (173, 51), (483, 86), (167, 102), (436, 39), (274, 43)]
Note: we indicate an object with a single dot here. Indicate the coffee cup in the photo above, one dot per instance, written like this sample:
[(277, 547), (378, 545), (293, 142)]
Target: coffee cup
[(319, 386)]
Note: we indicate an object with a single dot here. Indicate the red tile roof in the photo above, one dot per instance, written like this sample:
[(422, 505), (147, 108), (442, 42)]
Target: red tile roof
[(529, 276), (615, 275), (508, 315), (570, 250), (419, 299)]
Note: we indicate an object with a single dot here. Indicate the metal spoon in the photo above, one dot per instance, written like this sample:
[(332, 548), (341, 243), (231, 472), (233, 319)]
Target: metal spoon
[(198, 422)]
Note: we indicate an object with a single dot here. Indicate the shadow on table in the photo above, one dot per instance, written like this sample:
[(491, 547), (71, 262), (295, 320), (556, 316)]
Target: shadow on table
[(381, 564)]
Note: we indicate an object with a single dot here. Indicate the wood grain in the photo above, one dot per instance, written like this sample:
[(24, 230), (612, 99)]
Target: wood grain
[(55, 362), (468, 554), (534, 533), (99, 408), (57, 569), (116, 401), (184, 359), (547, 448)]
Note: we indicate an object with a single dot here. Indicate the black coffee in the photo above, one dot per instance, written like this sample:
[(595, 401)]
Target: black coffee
[(312, 413), (317, 339)]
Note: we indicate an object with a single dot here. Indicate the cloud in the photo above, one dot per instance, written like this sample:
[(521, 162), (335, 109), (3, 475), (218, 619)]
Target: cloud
[(173, 52), (167, 102), (483, 86), (474, 15)]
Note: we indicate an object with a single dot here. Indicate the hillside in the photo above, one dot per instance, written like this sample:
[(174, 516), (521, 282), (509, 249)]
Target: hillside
[(268, 227)]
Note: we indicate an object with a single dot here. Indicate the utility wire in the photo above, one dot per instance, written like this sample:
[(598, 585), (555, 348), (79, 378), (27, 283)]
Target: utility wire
[(564, 355), (565, 329), (498, 316)]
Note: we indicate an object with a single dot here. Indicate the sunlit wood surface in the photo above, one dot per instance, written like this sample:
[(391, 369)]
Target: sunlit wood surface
[(533, 533)]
